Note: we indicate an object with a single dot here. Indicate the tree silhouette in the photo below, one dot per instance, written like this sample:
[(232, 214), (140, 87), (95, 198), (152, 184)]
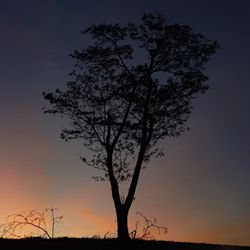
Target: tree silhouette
[(131, 88)]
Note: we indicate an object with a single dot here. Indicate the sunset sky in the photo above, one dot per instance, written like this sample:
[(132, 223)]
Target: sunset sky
[(200, 190)]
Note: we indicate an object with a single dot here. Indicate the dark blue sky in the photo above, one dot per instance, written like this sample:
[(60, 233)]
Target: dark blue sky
[(203, 183)]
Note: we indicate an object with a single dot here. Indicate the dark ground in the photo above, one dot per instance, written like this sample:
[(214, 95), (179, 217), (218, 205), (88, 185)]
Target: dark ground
[(109, 244)]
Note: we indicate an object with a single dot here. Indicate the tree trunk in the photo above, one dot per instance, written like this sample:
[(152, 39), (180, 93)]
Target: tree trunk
[(122, 223), (121, 210)]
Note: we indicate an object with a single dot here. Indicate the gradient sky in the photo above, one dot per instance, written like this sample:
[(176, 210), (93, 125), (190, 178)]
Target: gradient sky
[(200, 190)]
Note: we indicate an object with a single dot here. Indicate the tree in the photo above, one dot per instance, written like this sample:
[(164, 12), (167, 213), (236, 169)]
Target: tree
[(131, 88)]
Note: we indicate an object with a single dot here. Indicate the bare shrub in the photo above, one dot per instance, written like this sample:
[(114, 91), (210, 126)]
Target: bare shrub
[(22, 224)]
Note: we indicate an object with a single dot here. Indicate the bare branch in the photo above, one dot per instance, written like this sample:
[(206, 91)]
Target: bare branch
[(34, 219), (149, 224)]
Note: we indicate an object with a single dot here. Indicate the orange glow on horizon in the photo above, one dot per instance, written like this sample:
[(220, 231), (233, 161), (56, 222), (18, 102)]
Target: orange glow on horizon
[(26, 183)]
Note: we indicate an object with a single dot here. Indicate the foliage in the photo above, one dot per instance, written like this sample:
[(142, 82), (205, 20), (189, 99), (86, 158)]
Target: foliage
[(111, 100)]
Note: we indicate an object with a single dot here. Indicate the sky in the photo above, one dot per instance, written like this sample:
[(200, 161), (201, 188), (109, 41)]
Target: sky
[(200, 190)]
